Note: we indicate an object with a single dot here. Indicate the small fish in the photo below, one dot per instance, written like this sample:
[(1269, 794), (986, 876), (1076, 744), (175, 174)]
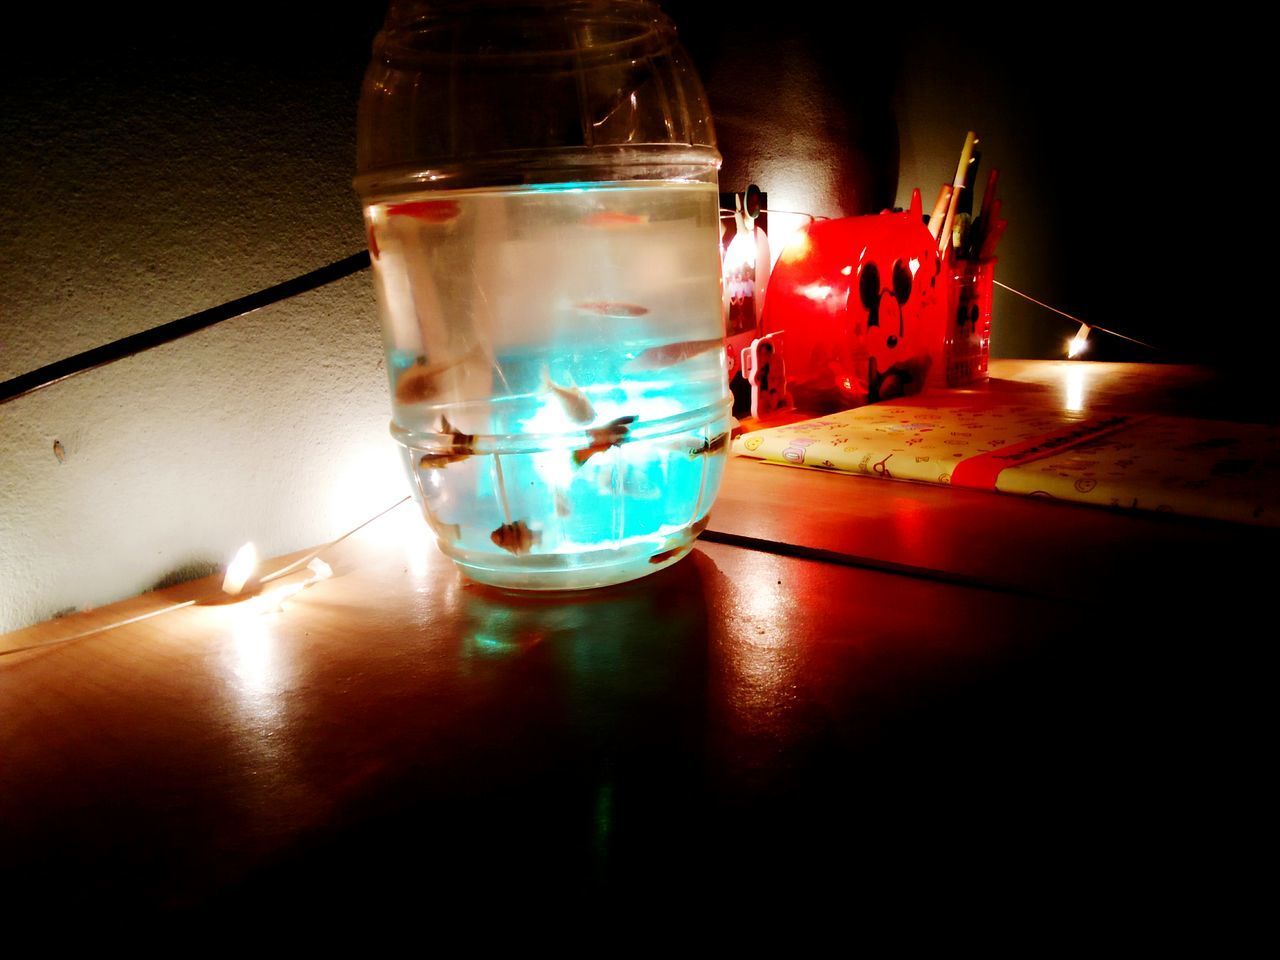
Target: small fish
[(461, 446), (59, 451), (672, 353), (428, 211), (562, 504), (714, 445), (665, 555), (419, 382), (515, 538), (438, 461), (373, 242), (612, 308), (574, 401), (613, 218), (459, 438), (612, 434)]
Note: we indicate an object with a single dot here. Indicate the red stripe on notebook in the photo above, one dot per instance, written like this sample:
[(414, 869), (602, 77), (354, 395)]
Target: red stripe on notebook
[(982, 470)]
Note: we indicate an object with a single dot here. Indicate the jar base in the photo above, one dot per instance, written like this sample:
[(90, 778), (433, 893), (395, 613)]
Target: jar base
[(566, 573)]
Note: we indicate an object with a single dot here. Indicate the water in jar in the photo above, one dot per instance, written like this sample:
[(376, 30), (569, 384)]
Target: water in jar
[(556, 365)]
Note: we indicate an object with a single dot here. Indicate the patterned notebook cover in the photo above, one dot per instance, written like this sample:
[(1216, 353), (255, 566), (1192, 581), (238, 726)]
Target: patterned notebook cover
[(1204, 468)]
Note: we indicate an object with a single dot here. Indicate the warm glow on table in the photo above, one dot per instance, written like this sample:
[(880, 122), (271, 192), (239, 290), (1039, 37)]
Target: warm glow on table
[(770, 699)]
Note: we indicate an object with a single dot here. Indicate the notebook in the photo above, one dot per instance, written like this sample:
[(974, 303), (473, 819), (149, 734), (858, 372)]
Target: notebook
[(1180, 465)]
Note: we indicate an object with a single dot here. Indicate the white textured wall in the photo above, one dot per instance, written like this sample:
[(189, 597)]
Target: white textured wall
[(163, 188)]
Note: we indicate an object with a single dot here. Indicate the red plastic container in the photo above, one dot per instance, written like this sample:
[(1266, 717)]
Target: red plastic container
[(862, 304)]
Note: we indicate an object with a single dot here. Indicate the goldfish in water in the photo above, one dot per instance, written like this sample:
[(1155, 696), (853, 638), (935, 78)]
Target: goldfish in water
[(614, 218), (420, 382), (417, 383), (670, 354), (427, 211), (665, 555), (612, 308), (713, 445), (438, 461), (515, 538), (574, 401), (459, 438), (612, 434), (461, 446)]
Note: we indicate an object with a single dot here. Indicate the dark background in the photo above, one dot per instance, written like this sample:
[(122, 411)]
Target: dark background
[(1125, 142)]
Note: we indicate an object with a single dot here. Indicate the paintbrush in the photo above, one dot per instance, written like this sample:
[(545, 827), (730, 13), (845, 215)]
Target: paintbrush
[(988, 249), (940, 210), (982, 222)]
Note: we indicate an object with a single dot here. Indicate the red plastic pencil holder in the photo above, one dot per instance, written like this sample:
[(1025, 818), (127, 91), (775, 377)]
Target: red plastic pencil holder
[(966, 345), (860, 304)]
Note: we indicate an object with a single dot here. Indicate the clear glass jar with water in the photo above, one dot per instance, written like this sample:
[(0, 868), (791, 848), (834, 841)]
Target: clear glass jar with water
[(539, 187)]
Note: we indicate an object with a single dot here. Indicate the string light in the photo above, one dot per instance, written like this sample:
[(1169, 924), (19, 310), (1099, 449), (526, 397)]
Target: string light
[(303, 561), (240, 570), (1076, 345), (1085, 328), (97, 630), (239, 578), (272, 601)]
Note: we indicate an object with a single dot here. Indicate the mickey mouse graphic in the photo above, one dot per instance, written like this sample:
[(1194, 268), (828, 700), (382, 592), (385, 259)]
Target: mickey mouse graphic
[(890, 373), (862, 306)]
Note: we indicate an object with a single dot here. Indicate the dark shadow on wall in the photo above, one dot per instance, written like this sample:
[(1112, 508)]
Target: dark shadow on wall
[(792, 95)]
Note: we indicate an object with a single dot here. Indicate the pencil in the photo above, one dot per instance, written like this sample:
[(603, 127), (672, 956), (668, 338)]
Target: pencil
[(962, 169), (939, 210), (989, 196)]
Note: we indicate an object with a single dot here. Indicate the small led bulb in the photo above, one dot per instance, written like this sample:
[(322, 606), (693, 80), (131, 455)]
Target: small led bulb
[(1077, 344), (241, 570)]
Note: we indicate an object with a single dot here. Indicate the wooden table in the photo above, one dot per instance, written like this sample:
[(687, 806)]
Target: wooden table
[(850, 687)]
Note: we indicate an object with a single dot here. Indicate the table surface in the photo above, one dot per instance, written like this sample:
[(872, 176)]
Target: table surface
[(898, 682)]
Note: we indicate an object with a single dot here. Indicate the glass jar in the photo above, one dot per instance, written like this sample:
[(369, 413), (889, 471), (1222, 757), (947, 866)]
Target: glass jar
[(539, 189), (967, 345)]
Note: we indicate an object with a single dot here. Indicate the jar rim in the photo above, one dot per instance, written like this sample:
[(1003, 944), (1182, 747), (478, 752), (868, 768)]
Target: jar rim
[(649, 161)]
